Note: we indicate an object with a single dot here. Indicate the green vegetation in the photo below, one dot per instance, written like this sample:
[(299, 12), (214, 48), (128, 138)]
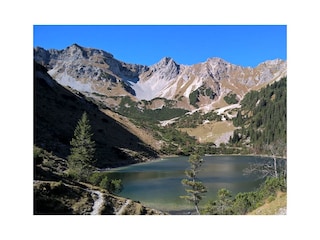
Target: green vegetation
[(263, 117), (195, 189), (221, 206), (194, 98), (57, 198), (81, 159), (195, 119), (246, 202), (130, 109), (231, 98), (174, 141), (102, 180), (203, 91)]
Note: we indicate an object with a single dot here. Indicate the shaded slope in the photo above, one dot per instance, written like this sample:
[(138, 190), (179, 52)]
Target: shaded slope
[(56, 113)]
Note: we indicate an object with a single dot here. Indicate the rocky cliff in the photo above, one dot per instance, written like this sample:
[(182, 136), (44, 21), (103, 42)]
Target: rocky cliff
[(95, 71)]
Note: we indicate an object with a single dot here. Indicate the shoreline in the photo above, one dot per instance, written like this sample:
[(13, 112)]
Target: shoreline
[(162, 157)]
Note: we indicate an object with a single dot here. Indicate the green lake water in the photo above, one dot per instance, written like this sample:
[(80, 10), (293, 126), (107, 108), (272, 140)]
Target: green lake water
[(157, 184)]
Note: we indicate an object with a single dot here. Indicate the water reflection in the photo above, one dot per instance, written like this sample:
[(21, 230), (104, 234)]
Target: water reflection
[(158, 184)]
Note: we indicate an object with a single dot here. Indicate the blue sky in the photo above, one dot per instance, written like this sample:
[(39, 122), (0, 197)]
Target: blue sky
[(245, 45)]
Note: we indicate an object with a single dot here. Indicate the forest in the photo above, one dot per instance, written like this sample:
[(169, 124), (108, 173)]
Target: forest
[(262, 118)]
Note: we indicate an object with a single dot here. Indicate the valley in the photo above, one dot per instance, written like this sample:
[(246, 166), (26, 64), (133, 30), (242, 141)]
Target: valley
[(140, 113)]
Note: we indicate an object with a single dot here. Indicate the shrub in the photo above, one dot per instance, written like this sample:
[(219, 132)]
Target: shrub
[(115, 186), (231, 98), (193, 98), (95, 178), (104, 183)]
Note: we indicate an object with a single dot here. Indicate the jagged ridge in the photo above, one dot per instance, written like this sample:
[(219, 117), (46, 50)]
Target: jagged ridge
[(91, 70)]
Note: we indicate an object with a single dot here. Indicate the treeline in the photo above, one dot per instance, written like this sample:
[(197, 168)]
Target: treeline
[(132, 110), (231, 98), (195, 119), (263, 117), (203, 91), (174, 141)]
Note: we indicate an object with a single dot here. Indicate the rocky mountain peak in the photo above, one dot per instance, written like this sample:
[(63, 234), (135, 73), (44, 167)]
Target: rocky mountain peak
[(94, 70), (78, 51), (165, 60), (166, 68), (216, 60)]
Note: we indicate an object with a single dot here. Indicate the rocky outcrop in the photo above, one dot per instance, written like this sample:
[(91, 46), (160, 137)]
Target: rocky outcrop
[(96, 71), (61, 198), (56, 194)]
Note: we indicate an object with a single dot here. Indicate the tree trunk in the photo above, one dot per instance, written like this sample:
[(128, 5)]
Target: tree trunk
[(275, 166), (197, 209)]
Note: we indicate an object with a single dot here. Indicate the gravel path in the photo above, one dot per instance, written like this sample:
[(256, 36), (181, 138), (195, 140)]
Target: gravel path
[(98, 203), (121, 210)]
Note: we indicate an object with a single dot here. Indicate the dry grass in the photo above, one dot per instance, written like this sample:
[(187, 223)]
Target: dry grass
[(272, 207), (143, 134), (210, 132)]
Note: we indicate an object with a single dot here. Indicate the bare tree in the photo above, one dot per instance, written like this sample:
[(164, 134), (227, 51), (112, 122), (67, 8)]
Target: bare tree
[(275, 166)]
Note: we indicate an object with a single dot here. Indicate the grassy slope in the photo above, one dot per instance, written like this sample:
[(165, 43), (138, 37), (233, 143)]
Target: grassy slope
[(273, 207), (210, 132), (56, 113)]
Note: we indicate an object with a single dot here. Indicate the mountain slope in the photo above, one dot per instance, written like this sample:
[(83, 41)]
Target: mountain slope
[(56, 113), (95, 71), (262, 118)]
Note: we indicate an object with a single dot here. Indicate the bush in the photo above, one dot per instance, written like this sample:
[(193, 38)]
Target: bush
[(116, 186), (102, 180), (38, 154), (95, 178), (193, 98), (231, 98), (104, 183), (245, 202)]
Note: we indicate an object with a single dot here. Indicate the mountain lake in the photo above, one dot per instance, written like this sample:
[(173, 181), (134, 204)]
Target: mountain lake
[(157, 184)]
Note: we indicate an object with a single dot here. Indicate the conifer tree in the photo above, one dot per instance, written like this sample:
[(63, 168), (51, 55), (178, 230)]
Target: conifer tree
[(81, 159), (196, 188)]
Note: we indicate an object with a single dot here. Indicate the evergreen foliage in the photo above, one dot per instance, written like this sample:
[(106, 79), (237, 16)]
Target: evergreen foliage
[(81, 158), (195, 119), (132, 110), (263, 116), (175, 141), (195, 189), (194, 98), (221, 206), (203, 91), (231, 98), (102, 180), (245, 202)]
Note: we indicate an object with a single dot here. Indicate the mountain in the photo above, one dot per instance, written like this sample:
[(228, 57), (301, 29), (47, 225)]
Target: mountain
[(56, 112), (95, 72)]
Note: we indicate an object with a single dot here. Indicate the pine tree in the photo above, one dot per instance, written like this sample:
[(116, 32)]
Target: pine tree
[(197, 188), (81, 159)]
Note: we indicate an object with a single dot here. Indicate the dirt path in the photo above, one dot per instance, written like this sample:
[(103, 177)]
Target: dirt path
[(98, 203), (121, 210)]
